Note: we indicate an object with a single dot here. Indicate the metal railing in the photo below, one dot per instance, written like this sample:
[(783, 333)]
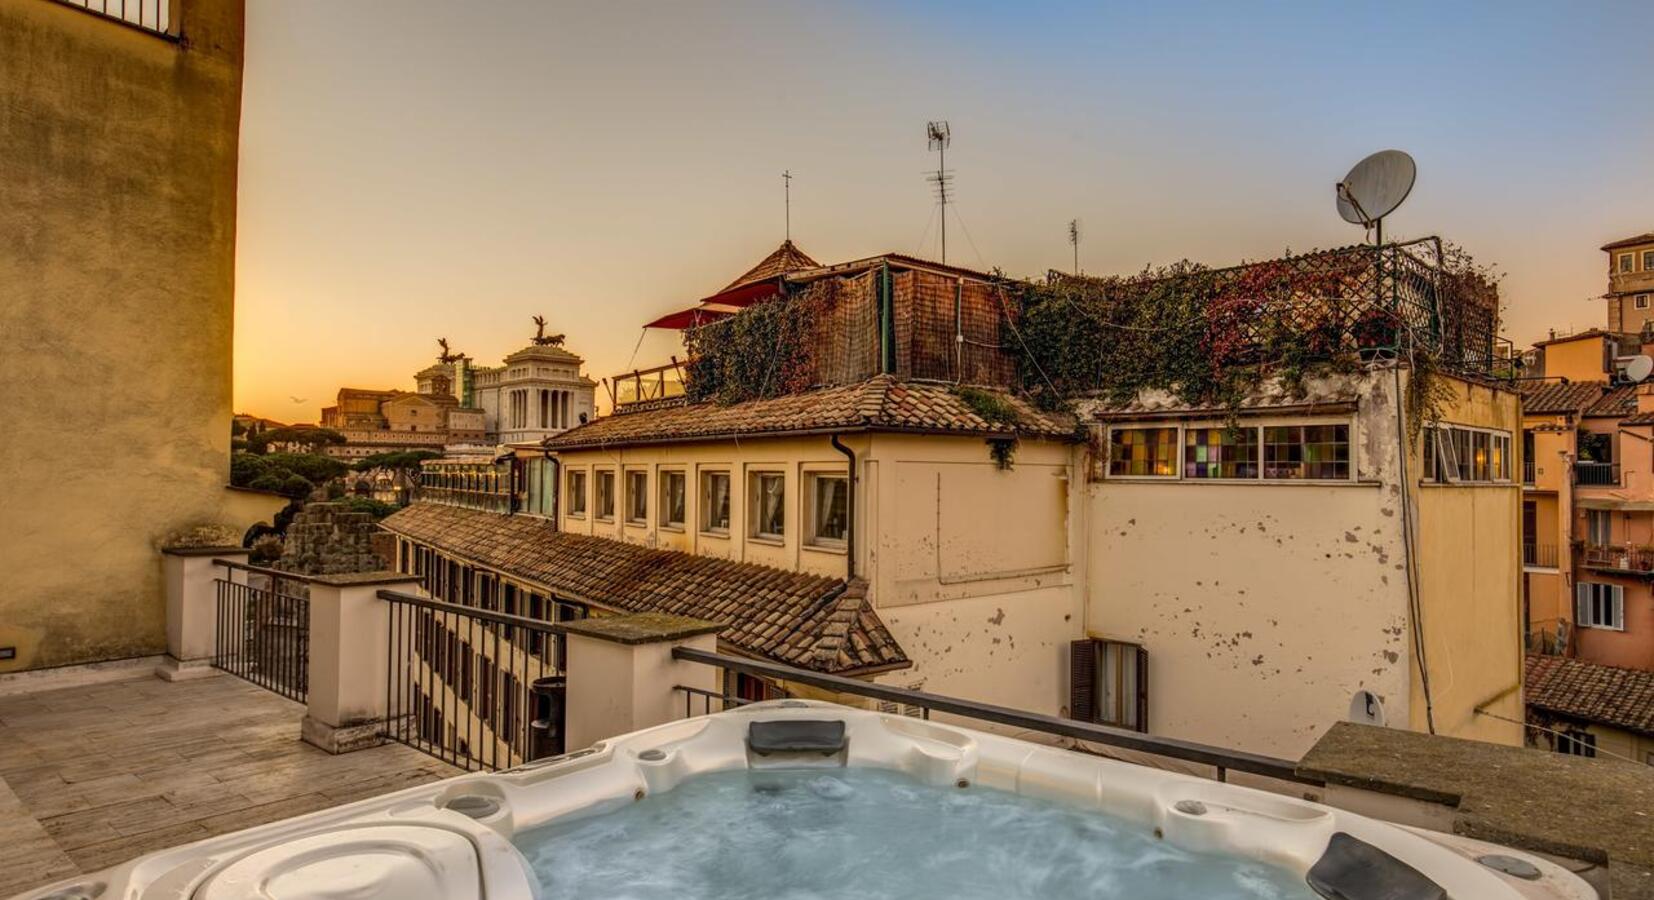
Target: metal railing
[(478, 689), (1529, 472), (1539, 555), (1596, 474), (645, 385), (1619, 558), (1221, 759), (155, 16), (263, 630)]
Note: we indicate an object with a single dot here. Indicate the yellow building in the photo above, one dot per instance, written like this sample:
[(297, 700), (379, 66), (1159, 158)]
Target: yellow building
[(1630, 293), (117, 270), (1592, 710), (1253, 578)]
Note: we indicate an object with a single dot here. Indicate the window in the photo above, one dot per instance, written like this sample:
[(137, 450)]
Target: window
[(829, 499), (1600, 606), (1577, 743), (1625, 262), (637, 498), (671, 499), (1648, 260), (1220, 453), (1642, 299), (767, 491), (1306, 452), (1109, 684), (577, 493), (1142, 452), (715, 502), (1599, 527), (605, 495), (1453, 454)]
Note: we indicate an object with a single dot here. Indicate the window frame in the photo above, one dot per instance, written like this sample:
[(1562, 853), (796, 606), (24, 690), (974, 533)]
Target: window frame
[(1177, 452), (1639, 301), (1648, 260), (703, 507), (1087, 676), (1625, 263), (1435, 463), (599, 478), (573, 493), (1577, 742), (664, 477), (641, 518), (812, 538), (1256, 424), (755, 496), (1612, 599)]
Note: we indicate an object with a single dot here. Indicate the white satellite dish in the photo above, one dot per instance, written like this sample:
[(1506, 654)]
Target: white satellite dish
[(1634, 369), (1375, 187)]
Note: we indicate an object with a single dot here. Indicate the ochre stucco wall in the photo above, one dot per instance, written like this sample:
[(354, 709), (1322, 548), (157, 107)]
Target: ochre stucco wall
[(1469, 571), (118, 165)]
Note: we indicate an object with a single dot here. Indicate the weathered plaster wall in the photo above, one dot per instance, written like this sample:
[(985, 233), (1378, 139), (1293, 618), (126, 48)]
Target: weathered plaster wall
[(118, 166), (1469, 564), (1264, 607)]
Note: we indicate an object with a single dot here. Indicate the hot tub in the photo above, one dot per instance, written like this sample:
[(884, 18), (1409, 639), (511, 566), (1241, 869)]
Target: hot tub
[(800, 799)]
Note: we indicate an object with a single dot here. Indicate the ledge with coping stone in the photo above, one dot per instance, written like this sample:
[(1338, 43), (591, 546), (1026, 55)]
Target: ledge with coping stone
[(642, 628), (359, 579), (203, 551), (1597, 811)]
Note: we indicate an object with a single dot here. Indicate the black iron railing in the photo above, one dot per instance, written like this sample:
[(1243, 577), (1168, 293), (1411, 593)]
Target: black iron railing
[(478, 689), (1540, 555), (1596, 474), (1529, 472), (1619, 558), (487, 501), (263, 630), (1221, 759), (709, 701)]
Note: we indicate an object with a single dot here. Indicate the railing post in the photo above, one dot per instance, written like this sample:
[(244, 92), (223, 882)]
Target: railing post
[(349, 658), (622, 676), (192, 608)]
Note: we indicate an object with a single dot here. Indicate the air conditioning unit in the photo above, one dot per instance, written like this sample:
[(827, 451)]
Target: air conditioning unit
[(1633, 369)]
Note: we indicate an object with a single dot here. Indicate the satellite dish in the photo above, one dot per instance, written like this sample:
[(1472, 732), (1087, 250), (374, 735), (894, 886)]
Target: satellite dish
[(1375, 187), (1635, 369)]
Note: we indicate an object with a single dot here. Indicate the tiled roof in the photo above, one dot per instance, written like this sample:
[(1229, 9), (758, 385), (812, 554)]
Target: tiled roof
[(1642, 418), (786, 258), (810, 621), (1608, 695), (1645, 238), (1621, 401), (1549, 397), (880, 404)]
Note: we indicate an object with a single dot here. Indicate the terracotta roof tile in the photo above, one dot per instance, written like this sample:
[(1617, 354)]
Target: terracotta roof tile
[(1609, 695), (785, 616), (786, 258), (1644, 238), (879, 404), (1555, 397), (1620, 401)]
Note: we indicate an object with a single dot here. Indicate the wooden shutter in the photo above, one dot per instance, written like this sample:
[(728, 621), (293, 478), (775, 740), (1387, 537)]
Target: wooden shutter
[(1582, 603), (1082, 680), (1142, 690), (1616, 610)]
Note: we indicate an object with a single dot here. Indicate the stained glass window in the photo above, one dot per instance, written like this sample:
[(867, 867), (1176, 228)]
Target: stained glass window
[(1220, 453), (1143, 452), (1306, 452)]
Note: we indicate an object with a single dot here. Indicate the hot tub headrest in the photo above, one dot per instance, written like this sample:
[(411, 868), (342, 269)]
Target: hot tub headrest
[(1353, 869), (825, 737)]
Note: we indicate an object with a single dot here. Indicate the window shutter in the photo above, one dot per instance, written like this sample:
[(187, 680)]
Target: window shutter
[(1082, 683), (1582, 604), (1142, 690), (1616, 614)]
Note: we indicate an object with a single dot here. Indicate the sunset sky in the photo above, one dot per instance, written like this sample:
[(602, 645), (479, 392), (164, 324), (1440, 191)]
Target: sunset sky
[(414, 170)]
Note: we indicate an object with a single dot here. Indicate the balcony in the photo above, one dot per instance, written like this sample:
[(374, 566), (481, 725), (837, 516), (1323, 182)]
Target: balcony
[(1528, 472), (1621, 558), (1539, 556), (1595, 474), (647, 386)]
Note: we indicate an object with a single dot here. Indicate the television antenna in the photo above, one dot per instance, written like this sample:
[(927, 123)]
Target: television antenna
[(1074, 239), (1374, 188), (787, 189), (940, 137)]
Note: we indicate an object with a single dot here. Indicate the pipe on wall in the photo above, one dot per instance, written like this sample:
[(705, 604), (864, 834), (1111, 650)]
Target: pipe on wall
[(849, 509)]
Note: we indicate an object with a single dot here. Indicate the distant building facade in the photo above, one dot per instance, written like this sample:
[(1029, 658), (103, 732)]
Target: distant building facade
[(1630, 293), (538, 393)]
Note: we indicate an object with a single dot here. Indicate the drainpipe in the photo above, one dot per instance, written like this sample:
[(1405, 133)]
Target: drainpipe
[(556, 489), (849, 510), (887, 330)]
